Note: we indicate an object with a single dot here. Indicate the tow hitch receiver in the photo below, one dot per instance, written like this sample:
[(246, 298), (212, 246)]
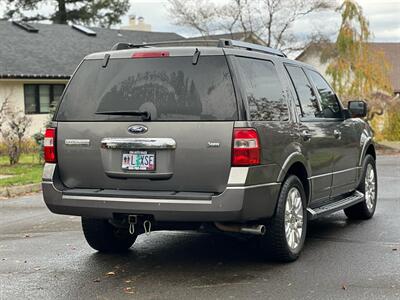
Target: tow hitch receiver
[(133, 221)]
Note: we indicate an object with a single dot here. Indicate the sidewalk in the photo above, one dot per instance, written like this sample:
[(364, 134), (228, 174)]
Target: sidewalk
[(388, 147)]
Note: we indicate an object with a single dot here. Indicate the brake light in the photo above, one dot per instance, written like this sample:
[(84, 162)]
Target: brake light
[(246, 147), (49, 146), (150, 54)]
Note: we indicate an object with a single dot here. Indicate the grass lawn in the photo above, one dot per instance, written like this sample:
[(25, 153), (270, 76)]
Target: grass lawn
[(28, 170)]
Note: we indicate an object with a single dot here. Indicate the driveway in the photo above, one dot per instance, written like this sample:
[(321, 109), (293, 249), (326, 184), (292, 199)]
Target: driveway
[(44, 256)]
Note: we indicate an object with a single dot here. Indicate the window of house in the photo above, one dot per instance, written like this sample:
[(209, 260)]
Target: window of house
[(39, 98), (264, 91)]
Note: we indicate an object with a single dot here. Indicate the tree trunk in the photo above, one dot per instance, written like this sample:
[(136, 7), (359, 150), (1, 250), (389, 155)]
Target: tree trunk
[(61, 14)]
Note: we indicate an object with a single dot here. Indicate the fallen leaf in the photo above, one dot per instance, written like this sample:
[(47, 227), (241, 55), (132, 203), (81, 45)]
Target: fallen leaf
[(110, 274), (129, 290)]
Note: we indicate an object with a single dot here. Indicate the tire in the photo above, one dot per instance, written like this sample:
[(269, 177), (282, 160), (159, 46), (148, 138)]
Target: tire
[(283, 247), (369, 187), (104, 237)]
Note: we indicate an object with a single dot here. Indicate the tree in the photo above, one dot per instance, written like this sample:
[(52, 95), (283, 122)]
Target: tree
[(13, 125), (271, 20), (102, 12), (356, 69)]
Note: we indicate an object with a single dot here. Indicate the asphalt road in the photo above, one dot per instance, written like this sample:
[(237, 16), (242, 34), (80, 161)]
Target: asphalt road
[(44, 256)]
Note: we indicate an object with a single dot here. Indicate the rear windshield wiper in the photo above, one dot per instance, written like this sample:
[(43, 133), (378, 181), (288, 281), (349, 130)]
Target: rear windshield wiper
[(145, 114)]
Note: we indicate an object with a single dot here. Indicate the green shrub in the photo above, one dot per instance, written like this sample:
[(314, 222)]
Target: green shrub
[(391, 130)]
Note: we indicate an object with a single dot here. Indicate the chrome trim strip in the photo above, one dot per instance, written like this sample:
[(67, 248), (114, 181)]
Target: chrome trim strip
[(321, 175), (252, 186), (346, 170), (238, 175), (137, 200), (77, 142), (138, 143), (332, 173)]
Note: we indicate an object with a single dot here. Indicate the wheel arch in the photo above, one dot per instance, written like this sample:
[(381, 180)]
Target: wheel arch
[(368, 148), (296, 164)]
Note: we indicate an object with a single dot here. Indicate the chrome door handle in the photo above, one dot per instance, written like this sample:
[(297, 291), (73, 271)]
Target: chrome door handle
[(306, 135), (337, 134)]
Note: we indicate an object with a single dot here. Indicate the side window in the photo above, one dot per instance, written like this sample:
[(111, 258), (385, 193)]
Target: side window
[(329, 103), (263, 90), (305, 94)]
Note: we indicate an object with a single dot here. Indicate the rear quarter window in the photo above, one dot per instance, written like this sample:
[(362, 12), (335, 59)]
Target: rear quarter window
[(170, 89), (263, 90)]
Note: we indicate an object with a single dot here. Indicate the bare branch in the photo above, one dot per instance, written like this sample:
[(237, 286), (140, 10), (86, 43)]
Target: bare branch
[(271, 20)]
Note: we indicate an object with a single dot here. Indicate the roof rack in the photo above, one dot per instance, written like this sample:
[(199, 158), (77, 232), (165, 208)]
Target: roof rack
[(25, 26), (249, 46), (222, 43), (123, 46)]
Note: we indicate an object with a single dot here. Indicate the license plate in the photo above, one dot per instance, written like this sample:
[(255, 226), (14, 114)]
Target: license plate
[(139, 161)]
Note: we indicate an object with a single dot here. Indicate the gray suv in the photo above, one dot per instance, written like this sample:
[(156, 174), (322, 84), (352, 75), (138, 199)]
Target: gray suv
[(233, 137)]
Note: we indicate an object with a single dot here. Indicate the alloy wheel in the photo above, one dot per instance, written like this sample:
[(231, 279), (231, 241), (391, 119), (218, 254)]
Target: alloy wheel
[(294, 218), (370, 187)]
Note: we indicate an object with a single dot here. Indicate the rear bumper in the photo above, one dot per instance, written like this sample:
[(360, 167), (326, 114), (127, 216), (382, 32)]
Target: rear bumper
[(237, 203)]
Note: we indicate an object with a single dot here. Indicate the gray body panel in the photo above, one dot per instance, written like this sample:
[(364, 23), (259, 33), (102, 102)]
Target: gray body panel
[(191, 166), (194, 181), (239, 202)]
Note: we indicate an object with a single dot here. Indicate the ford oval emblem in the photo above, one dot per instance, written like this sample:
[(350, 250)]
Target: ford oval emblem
[(137, 129)]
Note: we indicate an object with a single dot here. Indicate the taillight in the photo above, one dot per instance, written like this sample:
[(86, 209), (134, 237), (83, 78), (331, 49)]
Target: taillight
[(150, 54), (246, 147), (49, 146)]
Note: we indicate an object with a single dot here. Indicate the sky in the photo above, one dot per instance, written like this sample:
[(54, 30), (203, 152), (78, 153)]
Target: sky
[(383, 16)]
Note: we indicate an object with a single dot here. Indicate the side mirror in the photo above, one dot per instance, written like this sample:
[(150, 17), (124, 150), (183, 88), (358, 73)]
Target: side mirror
[(357, 109)]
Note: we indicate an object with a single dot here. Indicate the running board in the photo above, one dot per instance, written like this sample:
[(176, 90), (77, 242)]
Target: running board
[(354, 198)]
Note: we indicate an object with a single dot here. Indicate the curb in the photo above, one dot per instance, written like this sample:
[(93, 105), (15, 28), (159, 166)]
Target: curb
[(12, 191)]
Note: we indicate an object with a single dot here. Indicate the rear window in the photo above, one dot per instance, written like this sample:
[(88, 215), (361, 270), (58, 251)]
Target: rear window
[(169, 89)]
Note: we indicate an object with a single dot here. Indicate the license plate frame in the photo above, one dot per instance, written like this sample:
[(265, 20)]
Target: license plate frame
[(144, 161)]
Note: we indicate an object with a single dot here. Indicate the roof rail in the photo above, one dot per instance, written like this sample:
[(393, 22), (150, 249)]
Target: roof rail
[(122, 46), (222, 43), (250, 46)]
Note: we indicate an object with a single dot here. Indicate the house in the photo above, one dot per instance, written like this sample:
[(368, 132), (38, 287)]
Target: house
[(36, 61), (137, 23), (312, 55)]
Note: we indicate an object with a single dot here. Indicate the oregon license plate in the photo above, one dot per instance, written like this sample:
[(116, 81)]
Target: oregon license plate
[(139, 161)]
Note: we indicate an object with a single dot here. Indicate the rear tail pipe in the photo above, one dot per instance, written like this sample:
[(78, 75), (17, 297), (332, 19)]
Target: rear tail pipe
[(247, 229)]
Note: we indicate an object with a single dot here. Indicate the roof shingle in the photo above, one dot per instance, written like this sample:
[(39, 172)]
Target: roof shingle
[(56, 50)]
